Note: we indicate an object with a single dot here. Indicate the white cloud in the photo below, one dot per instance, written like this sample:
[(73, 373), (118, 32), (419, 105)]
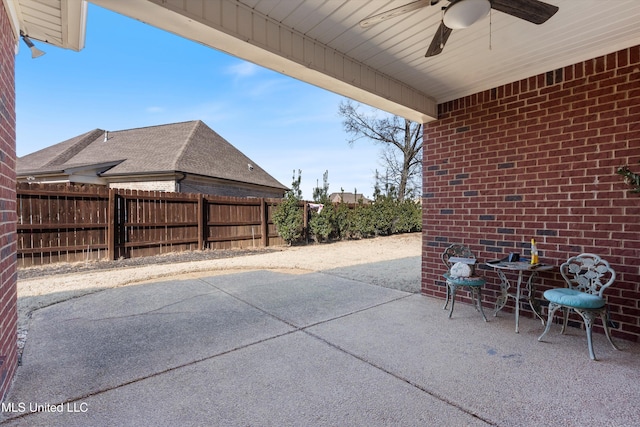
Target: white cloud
[(253, 81), (243, 69), (265, 88)]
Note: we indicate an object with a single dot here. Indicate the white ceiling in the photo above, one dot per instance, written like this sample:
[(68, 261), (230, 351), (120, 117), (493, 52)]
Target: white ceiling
[(321, 42), (580, 30)]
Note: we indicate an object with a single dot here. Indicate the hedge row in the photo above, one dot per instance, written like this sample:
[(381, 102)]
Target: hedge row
[(337, 221)]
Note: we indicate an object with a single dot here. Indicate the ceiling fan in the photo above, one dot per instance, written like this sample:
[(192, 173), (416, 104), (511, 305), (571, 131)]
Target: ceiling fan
[(460, 14)]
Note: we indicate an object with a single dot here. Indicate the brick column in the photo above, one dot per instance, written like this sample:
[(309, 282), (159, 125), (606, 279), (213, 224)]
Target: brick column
[(8, 275)]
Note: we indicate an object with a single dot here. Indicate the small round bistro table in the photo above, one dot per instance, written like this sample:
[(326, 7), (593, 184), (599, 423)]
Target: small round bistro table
[(519, 267)]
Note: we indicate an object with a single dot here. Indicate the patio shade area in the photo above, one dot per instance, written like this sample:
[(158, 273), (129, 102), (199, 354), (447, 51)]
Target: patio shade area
[(525, 127), (270, 348)]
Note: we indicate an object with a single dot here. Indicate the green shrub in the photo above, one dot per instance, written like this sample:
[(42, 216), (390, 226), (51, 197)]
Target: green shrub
[(288, 220), (321, 224), (341, 221), (361, 222), (288, 216), (385, 214), (383, 217), (409, 217)]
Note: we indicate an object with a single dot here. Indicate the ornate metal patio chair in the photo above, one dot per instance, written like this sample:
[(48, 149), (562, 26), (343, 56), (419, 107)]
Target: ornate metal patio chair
[(462, 274), (587, 276)]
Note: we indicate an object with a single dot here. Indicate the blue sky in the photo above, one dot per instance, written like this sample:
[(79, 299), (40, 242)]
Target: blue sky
[(132, 75)]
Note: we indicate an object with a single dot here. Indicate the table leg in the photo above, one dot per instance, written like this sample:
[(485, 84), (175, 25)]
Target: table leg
[(517, 297), (505, 285), (533, 302), (504, 294)]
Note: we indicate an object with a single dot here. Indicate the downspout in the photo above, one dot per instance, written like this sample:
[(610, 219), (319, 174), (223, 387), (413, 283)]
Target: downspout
[(178, 181)]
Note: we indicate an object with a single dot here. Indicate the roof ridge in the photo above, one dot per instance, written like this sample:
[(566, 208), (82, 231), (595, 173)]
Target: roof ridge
[(187, 141), (154, 126), (75, 148)]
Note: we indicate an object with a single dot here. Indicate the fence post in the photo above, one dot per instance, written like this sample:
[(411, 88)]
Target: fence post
[(201, 220), (111, 225), (264, 222)]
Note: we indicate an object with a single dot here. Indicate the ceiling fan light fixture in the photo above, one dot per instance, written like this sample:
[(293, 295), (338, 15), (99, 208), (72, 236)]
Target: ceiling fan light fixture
[(464, 13)]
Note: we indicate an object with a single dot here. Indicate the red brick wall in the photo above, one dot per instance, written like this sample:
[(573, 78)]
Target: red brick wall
[(8, 316), (537, 158)]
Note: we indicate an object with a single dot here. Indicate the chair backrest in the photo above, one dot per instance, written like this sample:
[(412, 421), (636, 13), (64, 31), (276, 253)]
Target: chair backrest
[(588, 273), (457, 250)]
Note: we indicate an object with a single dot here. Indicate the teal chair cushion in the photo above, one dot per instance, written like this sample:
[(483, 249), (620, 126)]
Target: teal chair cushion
[(465, 281), (573, 298)]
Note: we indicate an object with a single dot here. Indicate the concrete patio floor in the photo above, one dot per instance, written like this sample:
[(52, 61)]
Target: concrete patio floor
[(265, 348)]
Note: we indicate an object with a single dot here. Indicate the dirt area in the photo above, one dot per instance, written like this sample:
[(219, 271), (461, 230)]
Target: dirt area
[(169, 258), (43, 286)]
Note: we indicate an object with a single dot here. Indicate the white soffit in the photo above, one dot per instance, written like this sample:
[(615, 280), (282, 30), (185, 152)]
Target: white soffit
[(61, 23), (383, 65)]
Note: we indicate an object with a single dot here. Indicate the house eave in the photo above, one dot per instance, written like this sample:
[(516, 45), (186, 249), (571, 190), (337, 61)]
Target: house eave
[(59, 23), (119, 177), (238, 182)]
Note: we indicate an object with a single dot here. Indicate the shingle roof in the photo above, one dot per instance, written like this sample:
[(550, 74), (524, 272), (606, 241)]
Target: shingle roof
[(347, 197), (190, 147)]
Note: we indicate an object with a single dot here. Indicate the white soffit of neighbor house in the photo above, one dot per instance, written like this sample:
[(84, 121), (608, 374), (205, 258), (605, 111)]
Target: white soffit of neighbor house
[(383, 65)]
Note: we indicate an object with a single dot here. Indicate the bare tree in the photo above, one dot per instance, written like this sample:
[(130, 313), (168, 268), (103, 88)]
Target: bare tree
[(402, 141)]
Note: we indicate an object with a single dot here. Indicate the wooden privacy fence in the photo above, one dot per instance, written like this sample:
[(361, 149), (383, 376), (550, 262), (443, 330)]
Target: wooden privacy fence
[(81, 223)]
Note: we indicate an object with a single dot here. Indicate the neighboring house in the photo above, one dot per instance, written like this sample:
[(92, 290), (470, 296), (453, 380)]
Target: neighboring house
[(348, 198), (186, 157)]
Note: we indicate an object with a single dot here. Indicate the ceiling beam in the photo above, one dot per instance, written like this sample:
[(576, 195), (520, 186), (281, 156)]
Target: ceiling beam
[(234, 28)]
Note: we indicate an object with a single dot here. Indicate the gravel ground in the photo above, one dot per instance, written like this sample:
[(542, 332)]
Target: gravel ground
[(40, 287), (169, 258)]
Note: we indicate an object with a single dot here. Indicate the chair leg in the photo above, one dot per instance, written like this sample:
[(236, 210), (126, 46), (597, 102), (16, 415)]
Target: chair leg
[(565, 319), (551, 310), (592, 355), (588, 317), (605, 323), (453, 298), (477, 293), (446, 302)]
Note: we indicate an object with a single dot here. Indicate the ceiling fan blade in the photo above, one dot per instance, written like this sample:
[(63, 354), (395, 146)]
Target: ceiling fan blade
[(439, 40), (392, 13), (534, 11)]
